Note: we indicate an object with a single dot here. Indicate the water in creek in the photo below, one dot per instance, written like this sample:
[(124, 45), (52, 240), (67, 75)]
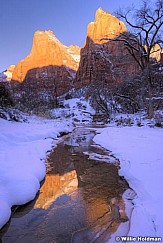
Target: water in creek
[(80, 200)]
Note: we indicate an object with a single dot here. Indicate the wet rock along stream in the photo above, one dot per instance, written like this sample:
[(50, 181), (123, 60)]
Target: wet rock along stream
[(80, 200)]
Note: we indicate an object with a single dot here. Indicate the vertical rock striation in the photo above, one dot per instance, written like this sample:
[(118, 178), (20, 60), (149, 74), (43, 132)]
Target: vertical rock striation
[(104, 62)]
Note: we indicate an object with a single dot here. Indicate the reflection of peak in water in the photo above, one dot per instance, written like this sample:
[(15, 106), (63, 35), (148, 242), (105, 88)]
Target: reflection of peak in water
[(54, 187), (98, 183), (76, 199)]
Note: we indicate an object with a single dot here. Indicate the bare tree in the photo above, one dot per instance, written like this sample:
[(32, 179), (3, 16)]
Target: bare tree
[(5, 96), (102, 100), (143, 40)]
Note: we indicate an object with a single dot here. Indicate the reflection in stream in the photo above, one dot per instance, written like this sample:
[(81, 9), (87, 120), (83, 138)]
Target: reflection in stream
[(54, 187), (80, 200)]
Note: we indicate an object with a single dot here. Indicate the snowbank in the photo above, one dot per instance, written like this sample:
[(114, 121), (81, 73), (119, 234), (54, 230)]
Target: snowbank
[(141, 156), (23, 150)]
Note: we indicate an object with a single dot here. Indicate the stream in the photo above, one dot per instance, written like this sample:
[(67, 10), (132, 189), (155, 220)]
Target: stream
[(79, 201)]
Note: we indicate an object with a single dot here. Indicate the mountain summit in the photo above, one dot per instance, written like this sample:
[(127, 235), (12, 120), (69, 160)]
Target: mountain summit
[(46, 51), (53, 65), (101, 60), (104, 26)]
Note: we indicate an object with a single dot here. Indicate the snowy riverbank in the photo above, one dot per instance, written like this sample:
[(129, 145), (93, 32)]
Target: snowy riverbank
[(23, 148), (140, 152)]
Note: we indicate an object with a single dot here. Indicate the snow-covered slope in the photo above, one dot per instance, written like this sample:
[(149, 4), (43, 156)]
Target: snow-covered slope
[(23, 148), (141, 156), (78, 110)]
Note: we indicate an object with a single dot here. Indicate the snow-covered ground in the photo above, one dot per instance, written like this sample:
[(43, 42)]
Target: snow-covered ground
[(77, 109), (23, 148), (140, 151)]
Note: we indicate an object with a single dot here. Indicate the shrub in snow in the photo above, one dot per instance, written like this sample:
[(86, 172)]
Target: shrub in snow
[(11, 114), (123, 121), (138, 122), (68, 96), (158, 119)]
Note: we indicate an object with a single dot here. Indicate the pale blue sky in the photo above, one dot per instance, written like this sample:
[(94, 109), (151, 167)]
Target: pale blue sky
[(68, 20)]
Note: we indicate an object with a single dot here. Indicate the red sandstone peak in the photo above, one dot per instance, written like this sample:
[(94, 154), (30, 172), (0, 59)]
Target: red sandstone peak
[(47, 50), (101, 61), (105, 26)]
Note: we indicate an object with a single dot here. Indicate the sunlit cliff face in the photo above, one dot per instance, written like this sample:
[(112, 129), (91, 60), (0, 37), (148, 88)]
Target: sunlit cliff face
[(156, 52), (46, 51), (104, 26)]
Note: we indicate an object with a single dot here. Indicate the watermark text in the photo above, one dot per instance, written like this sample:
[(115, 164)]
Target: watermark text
[(138, 239)]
